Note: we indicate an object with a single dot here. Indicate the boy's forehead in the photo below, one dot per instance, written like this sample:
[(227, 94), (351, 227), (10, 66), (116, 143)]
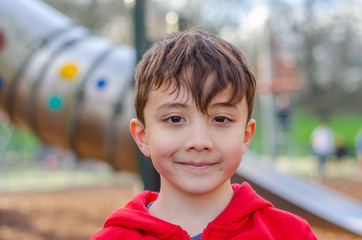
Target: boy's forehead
[(187, 82), (172, 93), (183, 94)]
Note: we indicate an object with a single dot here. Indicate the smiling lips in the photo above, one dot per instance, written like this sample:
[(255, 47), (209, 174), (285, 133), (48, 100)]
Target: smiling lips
[(194, 165)]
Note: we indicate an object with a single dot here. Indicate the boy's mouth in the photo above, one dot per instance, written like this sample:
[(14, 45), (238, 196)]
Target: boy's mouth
[(197, 165)]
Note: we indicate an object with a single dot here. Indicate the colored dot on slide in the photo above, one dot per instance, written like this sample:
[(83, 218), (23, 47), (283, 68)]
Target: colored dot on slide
[(2, 40), (55, 103), (101, 83), (69, 71), (1, 83)]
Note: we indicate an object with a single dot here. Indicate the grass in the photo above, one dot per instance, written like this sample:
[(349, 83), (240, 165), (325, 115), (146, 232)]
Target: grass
[(345, 128), (21, 144), (303, 122)]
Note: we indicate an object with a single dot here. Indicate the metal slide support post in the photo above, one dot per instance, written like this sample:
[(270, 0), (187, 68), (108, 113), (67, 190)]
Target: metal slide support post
[(150, 177), (267, 101)]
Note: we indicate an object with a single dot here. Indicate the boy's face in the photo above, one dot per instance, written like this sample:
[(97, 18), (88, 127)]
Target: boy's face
[(194, 152)]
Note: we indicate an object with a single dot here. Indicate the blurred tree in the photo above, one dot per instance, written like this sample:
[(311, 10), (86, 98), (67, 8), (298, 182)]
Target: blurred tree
[(108, 18), (328, 33), (323, 36)]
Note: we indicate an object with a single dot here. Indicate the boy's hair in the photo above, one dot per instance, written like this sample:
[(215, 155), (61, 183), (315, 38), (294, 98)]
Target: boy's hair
[(187, 59)]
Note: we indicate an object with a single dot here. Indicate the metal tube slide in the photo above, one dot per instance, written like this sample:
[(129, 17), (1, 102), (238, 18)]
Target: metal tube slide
[(71, 88)]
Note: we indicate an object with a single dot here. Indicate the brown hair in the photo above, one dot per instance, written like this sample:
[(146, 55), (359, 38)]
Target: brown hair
[(201, 54)]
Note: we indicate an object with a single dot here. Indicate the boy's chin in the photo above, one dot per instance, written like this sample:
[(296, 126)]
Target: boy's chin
[(204, 187)]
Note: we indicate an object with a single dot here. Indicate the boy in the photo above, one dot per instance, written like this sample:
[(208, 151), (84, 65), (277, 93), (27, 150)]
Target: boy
[(194, 98)]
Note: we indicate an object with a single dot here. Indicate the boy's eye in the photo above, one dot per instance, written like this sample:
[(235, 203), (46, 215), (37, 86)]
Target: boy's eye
[(221, 119), (175, 119)]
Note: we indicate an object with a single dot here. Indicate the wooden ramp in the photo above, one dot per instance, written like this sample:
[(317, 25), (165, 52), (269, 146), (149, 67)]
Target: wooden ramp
[(318, 204)]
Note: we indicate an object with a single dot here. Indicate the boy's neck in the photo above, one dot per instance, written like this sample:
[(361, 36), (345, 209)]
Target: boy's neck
[(192, 212)]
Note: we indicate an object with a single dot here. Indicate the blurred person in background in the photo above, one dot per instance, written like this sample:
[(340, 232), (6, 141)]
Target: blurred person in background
[(341, 150), (322, 139), (359, 152)]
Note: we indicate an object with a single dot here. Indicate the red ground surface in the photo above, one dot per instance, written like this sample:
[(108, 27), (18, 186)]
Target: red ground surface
[(77, 214)]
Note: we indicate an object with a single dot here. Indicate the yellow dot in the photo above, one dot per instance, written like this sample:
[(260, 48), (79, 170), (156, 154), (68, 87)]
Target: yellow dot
[(69, 71)]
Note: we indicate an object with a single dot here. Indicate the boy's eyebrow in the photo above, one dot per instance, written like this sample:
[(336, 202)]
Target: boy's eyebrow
[(172, 105), (183, 105), (223, 104)]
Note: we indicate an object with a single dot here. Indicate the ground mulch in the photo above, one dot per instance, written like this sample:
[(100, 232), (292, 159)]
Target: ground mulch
[(62, 215), (76, 214)]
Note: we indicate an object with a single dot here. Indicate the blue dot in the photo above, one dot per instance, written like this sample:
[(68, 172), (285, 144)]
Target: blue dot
[(1, 83), (55, 103), (101, 83)]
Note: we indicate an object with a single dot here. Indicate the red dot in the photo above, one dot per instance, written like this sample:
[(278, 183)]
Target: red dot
[(2, 40)]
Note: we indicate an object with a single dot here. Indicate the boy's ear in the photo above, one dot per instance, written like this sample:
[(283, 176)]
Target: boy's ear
[(248, 134), (139, 135)]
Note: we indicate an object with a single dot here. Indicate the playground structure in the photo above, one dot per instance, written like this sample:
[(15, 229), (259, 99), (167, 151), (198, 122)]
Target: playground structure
[(75, 90)]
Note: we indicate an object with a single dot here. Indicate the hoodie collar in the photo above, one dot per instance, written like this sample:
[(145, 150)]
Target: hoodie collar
[(135, 215)]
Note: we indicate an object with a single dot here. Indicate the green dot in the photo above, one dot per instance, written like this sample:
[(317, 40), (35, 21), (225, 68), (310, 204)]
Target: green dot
[(55, 103)]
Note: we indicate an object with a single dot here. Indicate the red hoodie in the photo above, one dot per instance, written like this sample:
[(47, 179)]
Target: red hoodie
[(248, 216)]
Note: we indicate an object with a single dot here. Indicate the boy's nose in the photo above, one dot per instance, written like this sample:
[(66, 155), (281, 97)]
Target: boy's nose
[(199, 138)]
